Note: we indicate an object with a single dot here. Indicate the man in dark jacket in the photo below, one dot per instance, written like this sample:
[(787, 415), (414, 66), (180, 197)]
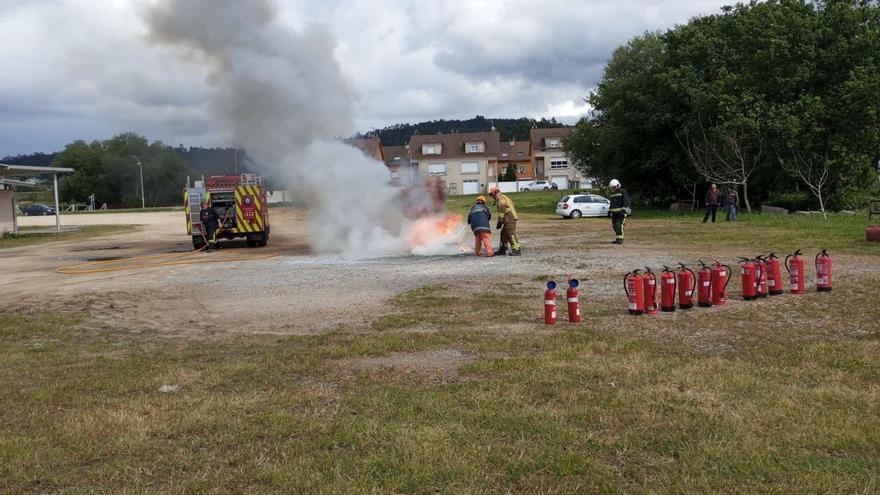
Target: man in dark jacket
[(731, 203), (713, 199), (478, 219), (210, 222), (619, 209)]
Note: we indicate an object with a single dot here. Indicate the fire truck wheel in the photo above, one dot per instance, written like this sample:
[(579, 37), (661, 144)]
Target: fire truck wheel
[(263, 240), (198, 242)]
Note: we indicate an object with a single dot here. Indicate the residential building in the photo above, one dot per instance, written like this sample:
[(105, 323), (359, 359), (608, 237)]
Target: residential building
[(370, 146), (548, 157), (466, 163), (516, 152), (399, 165)]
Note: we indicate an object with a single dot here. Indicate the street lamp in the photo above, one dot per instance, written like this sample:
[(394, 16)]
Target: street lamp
[(143, 203)]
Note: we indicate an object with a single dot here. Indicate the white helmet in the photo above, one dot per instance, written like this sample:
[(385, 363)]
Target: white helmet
[(614, 184)]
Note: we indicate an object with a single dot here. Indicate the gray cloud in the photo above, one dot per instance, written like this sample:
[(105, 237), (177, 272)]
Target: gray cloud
[(78, 72)]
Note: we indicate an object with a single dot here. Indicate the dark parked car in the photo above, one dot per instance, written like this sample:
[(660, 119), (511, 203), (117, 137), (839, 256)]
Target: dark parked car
[(37, 210)]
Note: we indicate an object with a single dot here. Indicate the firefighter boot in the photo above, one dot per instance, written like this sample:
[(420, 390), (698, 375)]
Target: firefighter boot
[(515, 252)]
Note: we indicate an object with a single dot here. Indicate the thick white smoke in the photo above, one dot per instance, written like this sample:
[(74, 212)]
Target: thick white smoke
[(281, 95)]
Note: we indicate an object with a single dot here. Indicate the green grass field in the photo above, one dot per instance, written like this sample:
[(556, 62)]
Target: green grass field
[(780, 397), (840, 233)]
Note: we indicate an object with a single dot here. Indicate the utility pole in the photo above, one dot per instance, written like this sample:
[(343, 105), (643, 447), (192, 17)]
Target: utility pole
[(143, 202)]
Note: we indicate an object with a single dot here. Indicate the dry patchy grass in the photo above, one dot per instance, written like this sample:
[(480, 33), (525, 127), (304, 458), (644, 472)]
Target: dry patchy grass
[(764, 397)]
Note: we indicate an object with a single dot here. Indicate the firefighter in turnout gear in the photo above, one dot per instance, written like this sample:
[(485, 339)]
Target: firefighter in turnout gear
[(210, 222), (506, 222), (478, 219), (619, 209)]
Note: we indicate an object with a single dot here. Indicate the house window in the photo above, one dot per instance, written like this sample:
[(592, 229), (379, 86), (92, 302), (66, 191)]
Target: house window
[(558, 163), (430, 149), (474, 147), (470, 168), (436, 169), (554, 143), (521, 169)]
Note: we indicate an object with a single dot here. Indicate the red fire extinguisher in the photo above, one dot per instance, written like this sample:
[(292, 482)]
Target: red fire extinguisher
[(774, 275), (794, 265), (667, 290), (749, 279), (686, 281), (823, 271), (762, 276), (574, 305), (720, 278), (650, 281), (704, 286), (550, 303), (635, 292)]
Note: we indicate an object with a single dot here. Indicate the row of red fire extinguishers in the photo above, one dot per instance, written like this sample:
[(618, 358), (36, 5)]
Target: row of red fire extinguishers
[(761, 276)]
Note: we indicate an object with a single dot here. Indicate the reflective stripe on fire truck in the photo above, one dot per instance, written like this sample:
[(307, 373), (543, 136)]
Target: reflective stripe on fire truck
[(189, 227), (244, 225)]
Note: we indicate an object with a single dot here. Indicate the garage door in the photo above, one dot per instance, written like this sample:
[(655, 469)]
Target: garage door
[(561, 181), (470, 187)]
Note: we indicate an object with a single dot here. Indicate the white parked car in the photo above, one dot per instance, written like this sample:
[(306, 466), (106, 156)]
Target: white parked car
[(538, 185), (583, 205)]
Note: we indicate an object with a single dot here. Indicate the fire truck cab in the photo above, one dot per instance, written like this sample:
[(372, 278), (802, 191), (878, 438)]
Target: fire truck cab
[(240, 200)]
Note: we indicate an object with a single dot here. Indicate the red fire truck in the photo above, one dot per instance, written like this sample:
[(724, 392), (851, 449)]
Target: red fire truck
[(240, 200)]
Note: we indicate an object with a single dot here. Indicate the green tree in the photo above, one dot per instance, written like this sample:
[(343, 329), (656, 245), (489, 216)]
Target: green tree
[(730, 95), (510, 172), (110, 171)]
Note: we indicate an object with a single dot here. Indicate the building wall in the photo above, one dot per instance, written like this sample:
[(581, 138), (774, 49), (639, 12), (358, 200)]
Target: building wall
[(6, 221), (454, 179), (571, 172), (528, 167)]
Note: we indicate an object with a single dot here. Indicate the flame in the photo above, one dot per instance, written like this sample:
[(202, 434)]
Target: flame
[(436, 235)]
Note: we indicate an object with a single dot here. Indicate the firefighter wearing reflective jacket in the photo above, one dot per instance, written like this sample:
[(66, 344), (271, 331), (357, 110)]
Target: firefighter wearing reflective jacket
[(210, 222), (506, 222), (619, 209)]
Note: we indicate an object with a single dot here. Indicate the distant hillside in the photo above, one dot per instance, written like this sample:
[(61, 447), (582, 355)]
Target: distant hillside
[(34, 159), (518, 129)]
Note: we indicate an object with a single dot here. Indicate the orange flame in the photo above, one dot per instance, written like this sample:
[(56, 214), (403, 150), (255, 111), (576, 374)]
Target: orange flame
[(436, 231)]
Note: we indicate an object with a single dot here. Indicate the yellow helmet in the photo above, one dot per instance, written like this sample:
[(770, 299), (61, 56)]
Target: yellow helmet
[(481, 199)]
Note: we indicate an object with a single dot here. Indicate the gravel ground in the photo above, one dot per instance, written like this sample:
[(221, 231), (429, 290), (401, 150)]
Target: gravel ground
[(296, 292)]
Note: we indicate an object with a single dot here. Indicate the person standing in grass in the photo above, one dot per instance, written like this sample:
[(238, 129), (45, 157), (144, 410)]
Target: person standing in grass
[(731, 202), (713, 199), (619, 209), (478, 219)]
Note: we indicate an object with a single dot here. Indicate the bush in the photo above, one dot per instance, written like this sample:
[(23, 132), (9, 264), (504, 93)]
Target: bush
[(793, 201), (131, 200)]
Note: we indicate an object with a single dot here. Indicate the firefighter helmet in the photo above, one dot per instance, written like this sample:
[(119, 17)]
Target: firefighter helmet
[(614, 184)]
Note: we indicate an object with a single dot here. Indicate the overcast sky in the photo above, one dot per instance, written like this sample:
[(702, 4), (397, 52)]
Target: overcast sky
[(81, 69)]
